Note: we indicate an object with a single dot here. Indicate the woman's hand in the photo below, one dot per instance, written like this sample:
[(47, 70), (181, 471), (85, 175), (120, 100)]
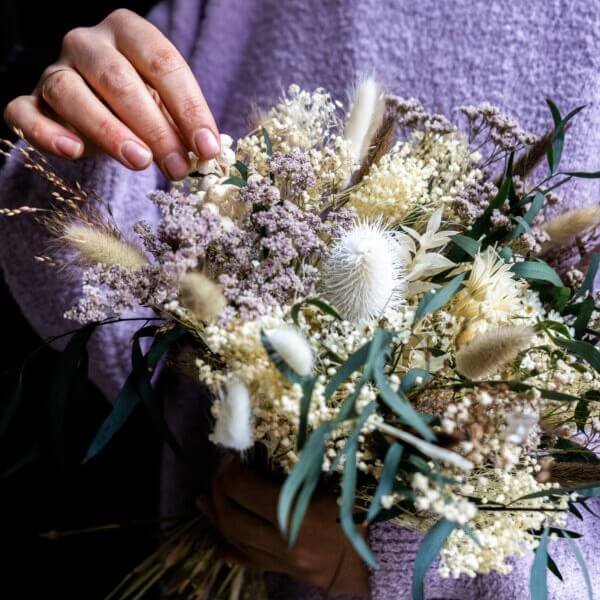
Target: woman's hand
[(123, 88), (243, 506)]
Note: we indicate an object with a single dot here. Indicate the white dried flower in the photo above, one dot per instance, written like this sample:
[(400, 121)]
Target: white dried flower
[(292, 346), (491, 350), (233, 427), (98, 244), (519, 425), (365, 272), (365, 117)]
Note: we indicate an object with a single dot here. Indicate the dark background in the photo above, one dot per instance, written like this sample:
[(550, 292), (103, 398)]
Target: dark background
[(36, 494)]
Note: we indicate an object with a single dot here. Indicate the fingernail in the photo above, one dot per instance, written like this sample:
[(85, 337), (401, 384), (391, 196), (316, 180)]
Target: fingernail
[(137, 156), (206, 143), (68, 146), (176, 166)]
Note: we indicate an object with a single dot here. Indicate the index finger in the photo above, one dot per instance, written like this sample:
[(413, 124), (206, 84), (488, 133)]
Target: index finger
[(163, 67)]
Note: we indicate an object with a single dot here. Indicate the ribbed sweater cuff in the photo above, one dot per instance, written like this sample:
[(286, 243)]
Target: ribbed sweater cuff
[(394, 549)]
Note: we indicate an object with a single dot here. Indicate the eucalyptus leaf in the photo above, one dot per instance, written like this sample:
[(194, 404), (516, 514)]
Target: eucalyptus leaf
[(348, 499), (590, 277), (398, 402), (128, 398), (582, 564), (409, 381), (537, 270), (436, 299), (237, 181), (538, 582), (581, 349), (268, 143), (386, 481), (465, 243), (66, 387), (321, 304), (429, 549), (586, 309)]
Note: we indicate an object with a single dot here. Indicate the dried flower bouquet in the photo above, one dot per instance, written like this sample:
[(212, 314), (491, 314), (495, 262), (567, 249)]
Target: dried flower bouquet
[(368, 301)]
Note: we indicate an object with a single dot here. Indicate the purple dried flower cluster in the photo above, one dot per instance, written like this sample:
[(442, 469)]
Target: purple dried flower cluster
[(182, 237), (112, 290), (270, 259), (489, 125), (293, 170), (470, 204), (267, 259), (411, 114)]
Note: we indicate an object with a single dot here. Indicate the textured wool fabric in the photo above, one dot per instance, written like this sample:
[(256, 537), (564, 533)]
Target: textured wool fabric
[(244, 52)]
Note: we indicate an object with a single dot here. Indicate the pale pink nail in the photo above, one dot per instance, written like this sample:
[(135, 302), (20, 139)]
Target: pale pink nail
[(205, 143), (176, 166), (68, 146), (136, 155)]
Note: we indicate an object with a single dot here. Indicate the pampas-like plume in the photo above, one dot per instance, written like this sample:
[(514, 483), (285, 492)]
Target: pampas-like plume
[(365, 117), (292, 346), (97, 244), (566, 227), (201, 297), (574, 473), (233, 428), (365, 272), (383, 141), (492, 350)]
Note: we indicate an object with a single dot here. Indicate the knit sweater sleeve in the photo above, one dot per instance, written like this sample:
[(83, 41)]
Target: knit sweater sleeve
[(45, 293), (395, 549)]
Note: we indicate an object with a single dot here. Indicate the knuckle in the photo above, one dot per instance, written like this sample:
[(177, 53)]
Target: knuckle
[(75, 38), (120, 16), (10, 112), (115, 78), (157, 135), (193, 110), (164, 61), (109, 134), (55, 85)]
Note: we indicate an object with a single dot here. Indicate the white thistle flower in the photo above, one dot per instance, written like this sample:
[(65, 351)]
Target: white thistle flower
[(365, 272), (233, 428), (292, 346), (365, 117)]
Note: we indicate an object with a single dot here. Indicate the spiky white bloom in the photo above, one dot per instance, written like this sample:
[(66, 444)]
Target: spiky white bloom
[(97, 244), (490, 295), (365, 117), (364, 273), (492, 350), (292, 346), (233, 427)]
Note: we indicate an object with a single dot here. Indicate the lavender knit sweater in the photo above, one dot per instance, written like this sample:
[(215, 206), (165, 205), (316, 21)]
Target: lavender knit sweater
[(513, 54)]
